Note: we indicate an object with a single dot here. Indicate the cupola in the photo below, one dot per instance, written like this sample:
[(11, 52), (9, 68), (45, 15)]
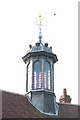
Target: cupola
[(39, 60)]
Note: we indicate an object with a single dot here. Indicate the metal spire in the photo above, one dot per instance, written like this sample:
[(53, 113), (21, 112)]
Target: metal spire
[(40, 24)]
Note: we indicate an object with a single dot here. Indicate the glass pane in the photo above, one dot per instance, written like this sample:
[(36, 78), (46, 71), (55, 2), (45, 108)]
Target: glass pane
[(47, 76), (29, 76), (37, 75)]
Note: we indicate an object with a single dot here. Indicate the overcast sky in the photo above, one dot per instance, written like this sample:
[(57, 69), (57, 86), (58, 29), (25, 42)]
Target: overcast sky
[(18, 29)]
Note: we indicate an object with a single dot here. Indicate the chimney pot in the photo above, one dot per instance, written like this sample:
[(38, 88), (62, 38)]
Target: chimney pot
[(64, 92), (65, 98)]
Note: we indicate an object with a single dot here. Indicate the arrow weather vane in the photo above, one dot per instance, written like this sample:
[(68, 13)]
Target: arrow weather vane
[(39, 22)]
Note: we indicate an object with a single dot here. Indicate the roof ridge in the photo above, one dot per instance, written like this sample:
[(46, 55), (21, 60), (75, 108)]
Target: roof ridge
[(68, 104), (14, 93)]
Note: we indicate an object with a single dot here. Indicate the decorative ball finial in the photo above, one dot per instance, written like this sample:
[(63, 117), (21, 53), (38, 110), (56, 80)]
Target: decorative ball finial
[(39, 23), (40, 37)]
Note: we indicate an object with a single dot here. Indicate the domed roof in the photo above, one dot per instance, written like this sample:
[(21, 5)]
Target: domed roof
[(40, 47), (40, 50)]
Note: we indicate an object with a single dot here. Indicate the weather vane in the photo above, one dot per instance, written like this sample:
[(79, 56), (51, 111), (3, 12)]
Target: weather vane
[(39, 22)]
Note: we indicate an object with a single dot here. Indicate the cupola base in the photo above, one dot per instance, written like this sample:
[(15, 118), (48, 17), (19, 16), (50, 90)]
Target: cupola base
[(45, 101)]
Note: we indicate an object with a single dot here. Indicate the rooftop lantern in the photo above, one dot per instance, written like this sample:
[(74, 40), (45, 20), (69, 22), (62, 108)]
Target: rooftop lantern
[(39, 62)]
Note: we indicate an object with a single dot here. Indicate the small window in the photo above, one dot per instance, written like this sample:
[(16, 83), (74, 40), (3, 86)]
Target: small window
[(37, 75), (29, 69), (47, 76)]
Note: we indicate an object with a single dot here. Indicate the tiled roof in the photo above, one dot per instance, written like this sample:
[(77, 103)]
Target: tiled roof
[(18, 106)]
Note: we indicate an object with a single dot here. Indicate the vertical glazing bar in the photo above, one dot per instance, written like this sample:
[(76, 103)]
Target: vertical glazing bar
[(0, 104), (78, 52)]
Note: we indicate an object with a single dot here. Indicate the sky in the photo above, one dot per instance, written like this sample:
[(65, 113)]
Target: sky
[(18, 29)]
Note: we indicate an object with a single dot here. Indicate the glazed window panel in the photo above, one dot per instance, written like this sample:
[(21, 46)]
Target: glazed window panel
[(37, 75), (47, 76), (29, 67), (53, 77)]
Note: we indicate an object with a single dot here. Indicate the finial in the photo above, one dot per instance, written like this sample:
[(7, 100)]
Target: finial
[(40, 24)]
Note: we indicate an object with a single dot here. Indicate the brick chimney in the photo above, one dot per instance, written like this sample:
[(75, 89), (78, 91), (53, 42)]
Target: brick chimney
[(65, 98)]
